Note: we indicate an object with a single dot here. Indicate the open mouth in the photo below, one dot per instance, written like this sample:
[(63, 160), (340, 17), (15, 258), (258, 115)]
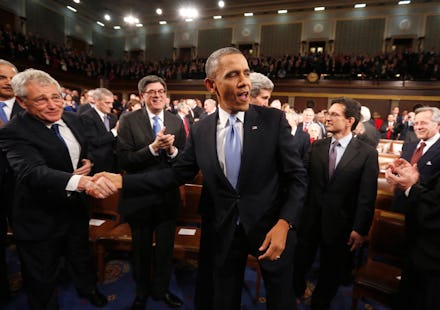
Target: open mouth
[(243, 96)]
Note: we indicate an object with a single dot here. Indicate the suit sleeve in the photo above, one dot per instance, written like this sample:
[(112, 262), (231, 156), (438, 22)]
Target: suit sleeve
[(29, 166), (293, 174), (367, 193)]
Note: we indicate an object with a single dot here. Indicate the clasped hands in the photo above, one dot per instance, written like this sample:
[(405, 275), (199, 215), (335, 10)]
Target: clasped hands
[(401, 174), (163, 142)]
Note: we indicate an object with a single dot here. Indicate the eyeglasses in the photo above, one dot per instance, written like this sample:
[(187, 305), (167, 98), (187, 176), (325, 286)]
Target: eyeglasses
[(40, 101), (153, 92)]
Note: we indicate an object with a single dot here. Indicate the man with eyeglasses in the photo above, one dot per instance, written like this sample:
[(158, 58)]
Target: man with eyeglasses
[(47, 151), (151, 139)]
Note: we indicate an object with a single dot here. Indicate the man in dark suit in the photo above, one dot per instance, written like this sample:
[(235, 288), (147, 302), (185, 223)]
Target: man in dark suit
[(150, 139), (101, 131), (9, 107), (90, 104), (407, 134), (47, 151), (340, 203), (261, 89), (424, 152), (420, 284), (391, 128), (366, 131), (253, 188)]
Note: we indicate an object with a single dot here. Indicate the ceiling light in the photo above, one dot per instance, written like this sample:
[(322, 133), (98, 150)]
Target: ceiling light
[(221, 4), (320, 8), (188, 20), (116, 27), (404, 2), (76, 1), (139, 25), (71, 8), (217, 17), (163, 22), (107, 17), (282, 11), (100, 24), (248, 14), (360, 5), (131, 20), (159, 11), (189, 12)]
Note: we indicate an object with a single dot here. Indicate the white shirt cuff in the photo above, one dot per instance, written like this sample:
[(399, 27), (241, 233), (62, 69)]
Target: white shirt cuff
[(114, 132), (407, 191), (72, 185)]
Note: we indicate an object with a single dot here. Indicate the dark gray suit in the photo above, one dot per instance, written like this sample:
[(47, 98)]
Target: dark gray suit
[(149, 213), (335, 206), (270, 187)]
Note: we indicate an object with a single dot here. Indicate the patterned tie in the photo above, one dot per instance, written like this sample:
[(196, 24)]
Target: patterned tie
[(55, 129), (156, 126), (3, 115), (106, 122), (332, 158), (418, 153), (232, 151), (186, 126)]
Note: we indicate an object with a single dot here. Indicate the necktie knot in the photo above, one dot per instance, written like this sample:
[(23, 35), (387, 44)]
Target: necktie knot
[(2, 104), (232, 120)]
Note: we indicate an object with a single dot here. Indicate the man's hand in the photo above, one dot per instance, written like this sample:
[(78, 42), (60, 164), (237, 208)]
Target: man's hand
[(275, 241), (163, 142), (355, 240), (402, 174), (98, 188), (115, 179), (85, 168)]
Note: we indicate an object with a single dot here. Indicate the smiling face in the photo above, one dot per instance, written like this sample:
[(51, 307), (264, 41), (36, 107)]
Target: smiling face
[(231, 83), (154, 97), (424, 126)]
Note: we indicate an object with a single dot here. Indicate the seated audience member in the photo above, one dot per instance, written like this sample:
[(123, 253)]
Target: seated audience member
[(261, 89), (420, 284), (47, 150), (69, 104)]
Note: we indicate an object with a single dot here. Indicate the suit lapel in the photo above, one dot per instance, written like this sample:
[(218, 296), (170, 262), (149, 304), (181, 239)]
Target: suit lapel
[(98, 120), (145, 127), (252, 132), (350, 153), (430, 154), (323, 156)]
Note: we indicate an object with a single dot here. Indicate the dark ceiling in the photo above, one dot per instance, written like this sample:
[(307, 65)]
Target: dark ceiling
[(145, 9)]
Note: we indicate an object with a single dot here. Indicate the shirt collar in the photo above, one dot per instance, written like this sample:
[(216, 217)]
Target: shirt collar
[(102, 115), (151, 115), (224, 117), (431, 140), (9, 103), (344, 141)]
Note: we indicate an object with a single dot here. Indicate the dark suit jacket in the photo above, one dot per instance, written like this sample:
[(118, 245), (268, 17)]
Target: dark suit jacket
[(345, 202), (371, 136), (423, 223), (134, 136), (82, 108), (41, 164), (271, 182), (428, 165), (302, 140), (102, 143), (396, 130)]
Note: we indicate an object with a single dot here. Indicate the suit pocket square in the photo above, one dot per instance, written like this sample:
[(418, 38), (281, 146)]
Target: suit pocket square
[(429, 163), (254, 127)]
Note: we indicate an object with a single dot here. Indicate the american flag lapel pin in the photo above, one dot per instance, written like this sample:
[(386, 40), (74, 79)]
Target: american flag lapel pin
[(254, 127)]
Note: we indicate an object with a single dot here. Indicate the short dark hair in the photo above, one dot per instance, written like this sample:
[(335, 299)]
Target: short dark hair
[(352, 109), (148, 80)]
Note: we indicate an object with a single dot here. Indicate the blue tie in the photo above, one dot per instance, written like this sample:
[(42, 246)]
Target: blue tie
[(156, 126), (55, 129), (232, 152), (3, 116)]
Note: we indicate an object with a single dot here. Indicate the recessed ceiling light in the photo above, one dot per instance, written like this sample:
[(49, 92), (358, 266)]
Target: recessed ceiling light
[(282, 11), (320, 8), (217, 17), (100, 23), (404, 2), (107, 17), (131, 20), (116, 27), (159, 11), (163, 22), (76, 1), (221, 4), (189, 12), (139, 25), (248, 14), (71, 8), (188, 20), (360, 5)]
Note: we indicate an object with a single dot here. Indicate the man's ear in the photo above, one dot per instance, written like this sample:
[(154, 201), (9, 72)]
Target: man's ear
[(21, 102), (210, 85)]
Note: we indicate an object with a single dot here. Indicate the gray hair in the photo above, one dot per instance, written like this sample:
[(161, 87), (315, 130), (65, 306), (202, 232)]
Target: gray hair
[(435, 113), (99, 93), (213, 59), (365, 113), (7, 63), (148, 80), (22, 79), (258, 82)]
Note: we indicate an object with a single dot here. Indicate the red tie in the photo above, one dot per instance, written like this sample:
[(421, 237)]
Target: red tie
[(185, 125), (418, 153)]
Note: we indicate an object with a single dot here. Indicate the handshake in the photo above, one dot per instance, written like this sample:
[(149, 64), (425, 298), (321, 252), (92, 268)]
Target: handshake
[(101, 185), (401, 174)]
